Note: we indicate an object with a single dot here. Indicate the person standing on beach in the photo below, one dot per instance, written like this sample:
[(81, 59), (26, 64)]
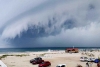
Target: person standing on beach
[(90, 64), (98, 64), (87, 64)]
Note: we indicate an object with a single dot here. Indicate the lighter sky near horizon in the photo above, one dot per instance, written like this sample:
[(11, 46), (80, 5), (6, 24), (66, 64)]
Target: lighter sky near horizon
[(49, 23)]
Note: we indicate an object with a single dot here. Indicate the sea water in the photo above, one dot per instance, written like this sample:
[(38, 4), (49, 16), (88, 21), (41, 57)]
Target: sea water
[(38, 49)]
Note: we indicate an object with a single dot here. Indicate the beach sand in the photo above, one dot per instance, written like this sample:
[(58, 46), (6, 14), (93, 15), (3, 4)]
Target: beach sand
[(58, 57)]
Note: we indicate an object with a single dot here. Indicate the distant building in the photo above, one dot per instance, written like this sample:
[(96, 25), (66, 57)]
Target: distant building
[(72, 50)]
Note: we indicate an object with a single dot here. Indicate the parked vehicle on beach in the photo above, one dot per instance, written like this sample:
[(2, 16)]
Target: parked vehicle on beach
[(37, 60), (45, 64), (87, 59), (91, 59), (83, 59), (96, 60), (61, 65)]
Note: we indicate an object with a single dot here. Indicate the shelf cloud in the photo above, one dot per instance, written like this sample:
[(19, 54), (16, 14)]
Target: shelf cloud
[(46, 23)]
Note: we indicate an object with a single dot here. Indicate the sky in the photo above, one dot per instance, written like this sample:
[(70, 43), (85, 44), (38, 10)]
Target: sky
[(49, 23)]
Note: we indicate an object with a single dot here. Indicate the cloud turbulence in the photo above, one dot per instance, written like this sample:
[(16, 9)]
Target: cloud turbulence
[(49, 23)]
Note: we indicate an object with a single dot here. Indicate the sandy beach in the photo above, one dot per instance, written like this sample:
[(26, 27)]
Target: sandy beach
[(56, 57)]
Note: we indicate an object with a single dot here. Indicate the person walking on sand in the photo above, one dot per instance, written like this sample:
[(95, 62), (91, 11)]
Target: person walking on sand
[(87, 64)]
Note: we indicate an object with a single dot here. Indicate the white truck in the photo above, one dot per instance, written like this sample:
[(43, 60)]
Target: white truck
[(91, 59), (87, 59), (83, 59), (61, 65)]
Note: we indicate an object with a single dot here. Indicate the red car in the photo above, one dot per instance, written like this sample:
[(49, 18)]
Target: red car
[(45, 64)]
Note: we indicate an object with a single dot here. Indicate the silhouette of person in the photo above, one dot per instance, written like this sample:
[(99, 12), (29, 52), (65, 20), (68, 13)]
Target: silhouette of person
[(87, 64)]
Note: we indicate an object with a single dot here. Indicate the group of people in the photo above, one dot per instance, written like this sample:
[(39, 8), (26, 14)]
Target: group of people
[(89, 64)]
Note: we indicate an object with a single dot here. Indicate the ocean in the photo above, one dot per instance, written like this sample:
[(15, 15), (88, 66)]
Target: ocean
[(4, 50)]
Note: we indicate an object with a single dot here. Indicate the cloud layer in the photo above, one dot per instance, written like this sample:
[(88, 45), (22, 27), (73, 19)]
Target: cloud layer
[(49, 23)]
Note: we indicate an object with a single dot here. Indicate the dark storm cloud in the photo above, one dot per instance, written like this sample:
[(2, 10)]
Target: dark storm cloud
[(49, 23)]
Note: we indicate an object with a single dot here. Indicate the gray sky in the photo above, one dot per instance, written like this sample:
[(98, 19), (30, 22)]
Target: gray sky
[(49, 23)]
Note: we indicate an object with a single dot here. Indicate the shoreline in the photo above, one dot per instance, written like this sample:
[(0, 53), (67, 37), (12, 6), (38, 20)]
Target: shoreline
[(9, 50), (21, 59)]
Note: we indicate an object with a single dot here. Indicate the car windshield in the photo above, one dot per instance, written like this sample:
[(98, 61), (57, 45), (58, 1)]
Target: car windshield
[(35, 59)]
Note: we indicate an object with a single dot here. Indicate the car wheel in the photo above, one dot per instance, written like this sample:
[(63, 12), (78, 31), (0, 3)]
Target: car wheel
[(49, 65)]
